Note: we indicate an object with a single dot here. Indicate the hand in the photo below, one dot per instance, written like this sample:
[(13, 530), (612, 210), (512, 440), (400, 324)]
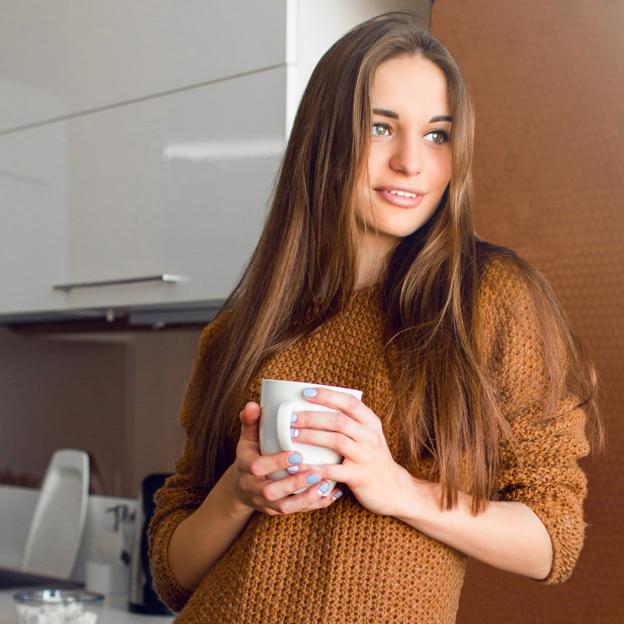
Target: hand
[(355, 432), (254, 490)]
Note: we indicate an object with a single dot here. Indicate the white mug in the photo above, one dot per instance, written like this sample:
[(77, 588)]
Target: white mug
[(278, 400)]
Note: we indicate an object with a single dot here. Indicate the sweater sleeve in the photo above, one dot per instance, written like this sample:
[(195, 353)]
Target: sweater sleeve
[(541, 470), (178, 498)]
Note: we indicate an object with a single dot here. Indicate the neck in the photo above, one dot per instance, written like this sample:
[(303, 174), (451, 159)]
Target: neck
[(373, 252)]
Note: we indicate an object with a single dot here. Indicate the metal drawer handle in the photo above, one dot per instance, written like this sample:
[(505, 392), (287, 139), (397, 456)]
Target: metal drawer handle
[(164, 277)]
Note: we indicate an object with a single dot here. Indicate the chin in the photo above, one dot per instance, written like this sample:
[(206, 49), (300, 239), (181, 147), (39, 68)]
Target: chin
[(400, 230), (396, 226)]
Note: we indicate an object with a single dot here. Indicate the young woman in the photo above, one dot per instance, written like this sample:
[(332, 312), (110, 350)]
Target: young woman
[(369, 274)]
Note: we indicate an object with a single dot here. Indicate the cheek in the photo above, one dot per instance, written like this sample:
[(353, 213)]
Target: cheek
[(364, 184), (441, 171), (377, 162)]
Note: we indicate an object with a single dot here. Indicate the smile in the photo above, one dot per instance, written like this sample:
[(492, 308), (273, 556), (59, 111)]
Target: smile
[(401, 198)]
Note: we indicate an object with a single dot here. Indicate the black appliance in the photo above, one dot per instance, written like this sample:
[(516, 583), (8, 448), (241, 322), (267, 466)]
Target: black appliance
[(141, 596)]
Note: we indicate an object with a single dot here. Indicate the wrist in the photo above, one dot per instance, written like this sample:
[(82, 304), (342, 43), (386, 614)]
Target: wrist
[(234, 504), (418, 501)]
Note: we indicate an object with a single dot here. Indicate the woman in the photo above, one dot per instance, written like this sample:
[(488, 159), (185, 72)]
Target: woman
[(368, 274)]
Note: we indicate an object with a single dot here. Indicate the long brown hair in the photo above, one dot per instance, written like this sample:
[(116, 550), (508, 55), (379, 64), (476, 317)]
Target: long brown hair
[(304, 269)]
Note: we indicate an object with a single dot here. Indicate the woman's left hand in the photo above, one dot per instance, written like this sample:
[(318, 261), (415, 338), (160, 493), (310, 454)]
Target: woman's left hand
[(355, 432)]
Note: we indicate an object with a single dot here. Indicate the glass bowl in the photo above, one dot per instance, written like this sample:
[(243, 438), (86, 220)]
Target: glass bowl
[(58, 606)]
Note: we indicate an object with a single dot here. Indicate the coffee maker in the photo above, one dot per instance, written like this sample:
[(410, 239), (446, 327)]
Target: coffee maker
[(141, 596)]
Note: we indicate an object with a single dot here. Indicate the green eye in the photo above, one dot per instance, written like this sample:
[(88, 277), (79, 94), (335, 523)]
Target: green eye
[(380, 124), (444, 137)]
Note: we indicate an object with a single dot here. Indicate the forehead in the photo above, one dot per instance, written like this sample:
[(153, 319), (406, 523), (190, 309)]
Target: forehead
[(411, 86)]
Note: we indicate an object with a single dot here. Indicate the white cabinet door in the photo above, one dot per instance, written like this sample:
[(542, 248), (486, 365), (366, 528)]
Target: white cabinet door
[(172, 185), (34, 220), (65, 57)]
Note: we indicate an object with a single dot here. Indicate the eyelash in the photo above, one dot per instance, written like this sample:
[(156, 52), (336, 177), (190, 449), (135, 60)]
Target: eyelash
[(442, 132)]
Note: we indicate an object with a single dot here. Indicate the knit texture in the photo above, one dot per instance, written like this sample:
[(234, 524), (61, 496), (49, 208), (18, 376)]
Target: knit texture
[(345, 564)]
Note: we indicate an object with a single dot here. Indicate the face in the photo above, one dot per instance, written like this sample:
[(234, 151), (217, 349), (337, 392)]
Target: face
[(409, 148)]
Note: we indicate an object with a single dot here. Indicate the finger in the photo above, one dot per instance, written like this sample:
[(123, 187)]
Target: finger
[(273, 491), (331, 421), (316, 495), (342, 444), (312, 498), (341, 473), (262, 465), (336, 493), (344, 402), (250, 417), (250, 430)]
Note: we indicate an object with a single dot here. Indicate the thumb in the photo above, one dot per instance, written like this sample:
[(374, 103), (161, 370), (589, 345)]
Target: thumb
[(250, 418)]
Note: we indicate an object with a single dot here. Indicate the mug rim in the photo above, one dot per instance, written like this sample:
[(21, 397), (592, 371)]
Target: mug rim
[(312, 385)]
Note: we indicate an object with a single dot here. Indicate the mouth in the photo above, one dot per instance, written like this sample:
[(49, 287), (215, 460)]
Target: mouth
[(401, 197)]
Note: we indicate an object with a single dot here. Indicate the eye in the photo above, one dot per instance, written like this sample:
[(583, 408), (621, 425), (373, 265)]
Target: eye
[(380, 124), (443, 136)]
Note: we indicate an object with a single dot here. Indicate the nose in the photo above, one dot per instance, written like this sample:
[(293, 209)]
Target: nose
[(408, 156)]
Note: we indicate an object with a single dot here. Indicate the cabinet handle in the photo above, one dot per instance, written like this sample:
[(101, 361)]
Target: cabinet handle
[(164, 277)]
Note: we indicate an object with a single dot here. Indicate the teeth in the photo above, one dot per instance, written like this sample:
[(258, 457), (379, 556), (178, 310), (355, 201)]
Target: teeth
[(403, 193)]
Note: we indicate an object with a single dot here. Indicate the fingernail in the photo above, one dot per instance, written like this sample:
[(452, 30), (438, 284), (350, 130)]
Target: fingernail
[(295, 458), (338, 494), (294, 433), (313, 479), (293, 417), (309, 392), (323, 488), (293, 469)]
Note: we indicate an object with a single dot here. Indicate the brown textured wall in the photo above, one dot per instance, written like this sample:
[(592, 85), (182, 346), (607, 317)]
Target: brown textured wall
[(547, 81)]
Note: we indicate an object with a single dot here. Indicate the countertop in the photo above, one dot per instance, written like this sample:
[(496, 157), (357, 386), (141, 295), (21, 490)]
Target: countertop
[(114, 611)]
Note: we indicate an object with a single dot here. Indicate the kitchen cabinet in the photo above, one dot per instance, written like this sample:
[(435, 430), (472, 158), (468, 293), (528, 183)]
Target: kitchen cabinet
[(34, 236), (67, 58), (175, 184), (178, 186), (145, 142)]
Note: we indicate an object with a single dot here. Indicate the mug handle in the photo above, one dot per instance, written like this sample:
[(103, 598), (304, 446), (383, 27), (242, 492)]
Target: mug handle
[(284, 411)]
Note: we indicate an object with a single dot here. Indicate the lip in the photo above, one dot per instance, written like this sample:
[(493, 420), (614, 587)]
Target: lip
[(397, 200), (397, 187)]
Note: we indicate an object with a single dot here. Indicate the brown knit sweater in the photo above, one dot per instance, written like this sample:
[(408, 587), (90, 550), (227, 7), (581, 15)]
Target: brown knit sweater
[(377, 569)]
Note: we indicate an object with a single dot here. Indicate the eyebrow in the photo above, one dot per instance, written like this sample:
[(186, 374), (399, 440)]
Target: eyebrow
[(389, 113)]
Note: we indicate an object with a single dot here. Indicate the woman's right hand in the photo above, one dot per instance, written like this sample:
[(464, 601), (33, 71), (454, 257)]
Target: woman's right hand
[(255, 490)]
